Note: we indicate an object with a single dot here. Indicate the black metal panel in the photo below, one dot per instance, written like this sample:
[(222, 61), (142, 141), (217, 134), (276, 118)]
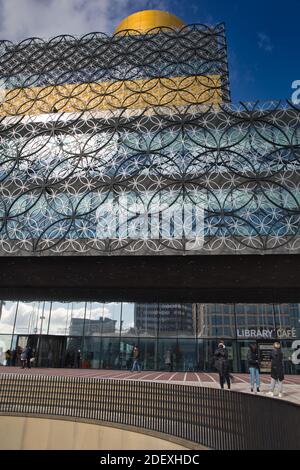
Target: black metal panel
[(272, 278)]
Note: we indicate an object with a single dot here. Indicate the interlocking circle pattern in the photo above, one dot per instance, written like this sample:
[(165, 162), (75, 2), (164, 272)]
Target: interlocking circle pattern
[(128, 144)]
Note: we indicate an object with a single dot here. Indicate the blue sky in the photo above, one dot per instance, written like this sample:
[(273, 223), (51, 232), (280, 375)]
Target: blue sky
[(263, 35)]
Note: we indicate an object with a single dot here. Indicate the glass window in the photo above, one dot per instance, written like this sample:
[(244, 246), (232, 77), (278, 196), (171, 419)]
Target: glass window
[(207, 322), (253, 321), (185, 355), (242, 353), (32, 318), (125, 353), (288, 316), (183, 317), (171, 336), (166, 354), (163, 319), (51, 351), (149, 353), (291, 355), (239, 308), (240, 321), (102, 319), (250, 309), (204, 353), (7, 316), (103, 352), (67, 318), (255, 315), (128, 319), (5, 344), (227, 332), (205, 350), (112, 318), (147, 319)]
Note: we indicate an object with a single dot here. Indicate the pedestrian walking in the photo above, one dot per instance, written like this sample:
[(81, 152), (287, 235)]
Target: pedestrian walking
[(24, 357), (29, 357), (78, 359), (277, 374), (8, 357), (222, 364), (168, 360), (136, 359), (254, 366)]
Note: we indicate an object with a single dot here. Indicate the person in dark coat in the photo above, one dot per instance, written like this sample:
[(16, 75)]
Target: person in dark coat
[(29, 356), (254, 365), (222, 364), (78, 359), (277, 374), (136, 359), (168, 360), (8, 357)]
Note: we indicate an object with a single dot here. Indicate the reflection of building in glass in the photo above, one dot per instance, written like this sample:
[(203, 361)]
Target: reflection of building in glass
[(166, 318), (214, 319), (288, 315), (92, 327), (189, 331), (1, 307), (198, 314), (228, 320)]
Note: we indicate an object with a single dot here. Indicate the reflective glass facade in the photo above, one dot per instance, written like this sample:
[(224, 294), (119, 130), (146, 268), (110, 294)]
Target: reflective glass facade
[(105, 333), (129, 145)]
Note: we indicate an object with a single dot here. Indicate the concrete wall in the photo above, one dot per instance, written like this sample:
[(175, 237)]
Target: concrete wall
[(18, 432)]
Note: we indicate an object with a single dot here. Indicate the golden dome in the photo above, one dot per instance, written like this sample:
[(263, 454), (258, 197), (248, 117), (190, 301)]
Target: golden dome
[(143, 21)]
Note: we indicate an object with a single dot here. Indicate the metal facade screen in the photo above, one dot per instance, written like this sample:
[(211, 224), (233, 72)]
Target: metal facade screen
[(129, 145)]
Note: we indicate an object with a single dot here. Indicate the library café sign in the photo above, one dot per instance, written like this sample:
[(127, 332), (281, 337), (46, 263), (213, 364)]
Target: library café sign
[(267, 333)]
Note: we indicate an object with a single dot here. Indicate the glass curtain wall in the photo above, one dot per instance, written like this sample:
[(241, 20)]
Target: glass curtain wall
[(178, 337)]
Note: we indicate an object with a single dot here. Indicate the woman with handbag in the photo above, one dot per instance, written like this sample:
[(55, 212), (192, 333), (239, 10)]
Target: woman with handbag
[(222, 364), (277, 370)]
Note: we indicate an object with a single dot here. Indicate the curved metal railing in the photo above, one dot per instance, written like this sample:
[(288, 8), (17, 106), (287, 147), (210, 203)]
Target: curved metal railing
[(209, 417)]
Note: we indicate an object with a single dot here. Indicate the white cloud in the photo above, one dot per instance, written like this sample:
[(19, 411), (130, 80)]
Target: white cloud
[(264, 42), (7, 317), (29, 315), (46, 18), (21, 19)]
